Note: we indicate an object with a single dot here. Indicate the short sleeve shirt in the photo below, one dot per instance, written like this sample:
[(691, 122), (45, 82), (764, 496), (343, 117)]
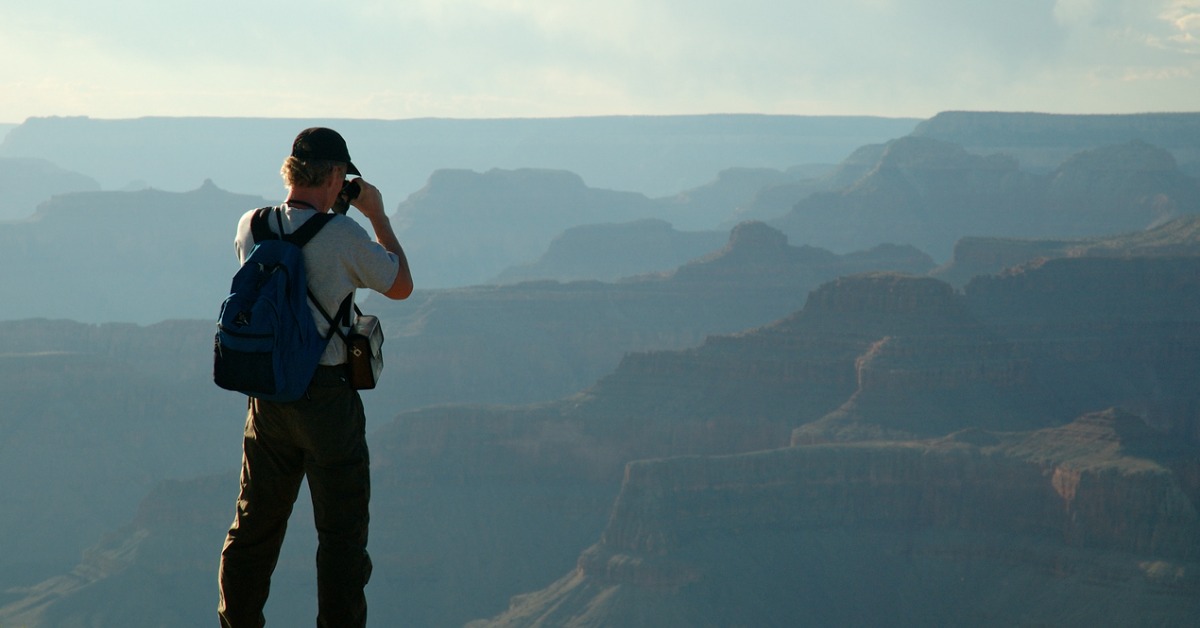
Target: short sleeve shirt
[(339, 259)]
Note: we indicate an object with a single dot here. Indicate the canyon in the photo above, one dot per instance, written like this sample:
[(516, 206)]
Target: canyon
[(849, 393)]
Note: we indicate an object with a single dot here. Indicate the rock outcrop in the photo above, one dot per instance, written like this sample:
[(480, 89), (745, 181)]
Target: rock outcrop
[(139, 257), (976, 256), (467, 226), (1042, 141), (1101, 512), (457, 345), (24, 183), (611, 252), (930, 193)]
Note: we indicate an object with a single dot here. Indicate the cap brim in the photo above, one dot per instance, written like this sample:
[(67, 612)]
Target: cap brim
[(350, 169)]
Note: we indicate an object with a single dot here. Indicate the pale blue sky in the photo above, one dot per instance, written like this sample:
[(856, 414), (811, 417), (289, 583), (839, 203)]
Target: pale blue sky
[(534, 58)]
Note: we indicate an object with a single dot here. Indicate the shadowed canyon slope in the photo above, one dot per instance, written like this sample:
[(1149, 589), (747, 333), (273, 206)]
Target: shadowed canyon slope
[(1092, 523), (1042, 141), (80, 250), (476, 504), (987, 256), (26, 182), (160, 416), (456, 345), (929, 193)]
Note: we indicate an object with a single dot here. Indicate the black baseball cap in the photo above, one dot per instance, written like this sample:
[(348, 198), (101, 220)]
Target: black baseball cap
[(325, 144)]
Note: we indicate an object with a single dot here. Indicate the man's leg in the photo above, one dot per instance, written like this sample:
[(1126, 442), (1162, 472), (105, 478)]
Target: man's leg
[(338, 469), (272, 470)]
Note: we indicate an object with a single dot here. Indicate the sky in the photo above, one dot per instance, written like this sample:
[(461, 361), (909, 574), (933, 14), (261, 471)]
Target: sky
[(397, 59)]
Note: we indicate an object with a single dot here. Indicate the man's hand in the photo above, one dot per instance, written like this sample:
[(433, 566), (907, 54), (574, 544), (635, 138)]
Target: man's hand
[(370, 203), (369, 200)]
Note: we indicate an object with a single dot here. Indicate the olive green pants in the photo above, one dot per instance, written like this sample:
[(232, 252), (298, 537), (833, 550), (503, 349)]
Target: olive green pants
[(321, 437)]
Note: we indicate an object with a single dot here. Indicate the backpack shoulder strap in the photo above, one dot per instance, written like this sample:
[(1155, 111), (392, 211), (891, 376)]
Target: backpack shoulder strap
[(301, 236), (341, 318), (260, 229)]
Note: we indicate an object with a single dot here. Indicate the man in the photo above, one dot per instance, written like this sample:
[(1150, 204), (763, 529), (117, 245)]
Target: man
[(322, 435)]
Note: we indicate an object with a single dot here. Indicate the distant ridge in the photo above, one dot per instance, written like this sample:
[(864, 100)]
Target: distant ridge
[(654, 155), (26, 182), (608, 252), (1042, 140), (930, 193)]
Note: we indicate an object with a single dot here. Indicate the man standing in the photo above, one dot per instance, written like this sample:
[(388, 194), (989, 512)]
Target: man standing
[(321, 436)]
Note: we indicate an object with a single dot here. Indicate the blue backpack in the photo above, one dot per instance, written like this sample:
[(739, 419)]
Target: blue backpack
[(267, 344)]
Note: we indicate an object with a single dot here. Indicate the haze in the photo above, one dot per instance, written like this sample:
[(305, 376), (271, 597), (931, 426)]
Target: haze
[(521, 58)]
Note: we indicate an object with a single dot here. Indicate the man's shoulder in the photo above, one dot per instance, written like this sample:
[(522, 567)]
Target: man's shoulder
[(244, 221), (249, 213), (344, 226)]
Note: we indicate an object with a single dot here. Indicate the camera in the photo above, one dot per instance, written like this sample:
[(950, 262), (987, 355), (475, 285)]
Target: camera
[(349, 192)]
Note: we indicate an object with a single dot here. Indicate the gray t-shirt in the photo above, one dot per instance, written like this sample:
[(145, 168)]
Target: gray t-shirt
[(339, 259)]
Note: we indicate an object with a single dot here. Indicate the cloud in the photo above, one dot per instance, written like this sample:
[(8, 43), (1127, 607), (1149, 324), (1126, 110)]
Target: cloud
[(381, 58), (1184, 17)]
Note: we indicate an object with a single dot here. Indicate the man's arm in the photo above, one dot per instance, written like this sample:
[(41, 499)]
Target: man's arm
[(370, 203)]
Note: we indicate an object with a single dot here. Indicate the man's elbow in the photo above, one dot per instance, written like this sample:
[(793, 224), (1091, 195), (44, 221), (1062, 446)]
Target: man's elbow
[(401, 288)]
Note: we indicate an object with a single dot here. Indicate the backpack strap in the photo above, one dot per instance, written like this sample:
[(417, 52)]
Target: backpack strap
[(309, 229), (260, 229), (342, 316)]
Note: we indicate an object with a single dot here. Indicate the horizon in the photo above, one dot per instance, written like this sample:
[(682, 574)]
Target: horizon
[(1145, 112), (520, 59)]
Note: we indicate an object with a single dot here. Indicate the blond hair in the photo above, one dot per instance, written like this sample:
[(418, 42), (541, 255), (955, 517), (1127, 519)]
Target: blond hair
[(297, 172)]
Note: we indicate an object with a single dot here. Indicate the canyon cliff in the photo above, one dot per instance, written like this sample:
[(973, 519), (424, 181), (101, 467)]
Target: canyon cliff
[(457, 345), (771, 434), (1091, 523), (929, 193), (1042, 141), (976, 256), (893, 441)]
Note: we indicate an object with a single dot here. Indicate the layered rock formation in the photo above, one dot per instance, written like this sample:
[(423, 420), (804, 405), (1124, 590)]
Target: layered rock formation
[(1105, 331), (565, 336), (776, 200), (1091, 523), (471, 227), (1041, 141), (998, 507), (716, 203), (24, 183), (976, 256), (141, 401), (613, 251), (687, 533), (468, 226), (655, 155), (929, 193), (138, 257), (93, 418), (1122, 187)]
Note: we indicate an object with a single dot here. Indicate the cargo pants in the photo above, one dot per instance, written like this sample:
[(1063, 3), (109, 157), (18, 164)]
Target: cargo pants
[(321, 437)]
